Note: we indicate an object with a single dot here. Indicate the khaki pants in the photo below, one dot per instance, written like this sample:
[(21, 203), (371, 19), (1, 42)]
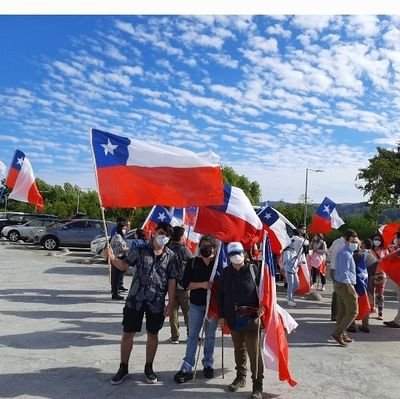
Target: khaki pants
[(181, 300), (347, 307), (247, 343)]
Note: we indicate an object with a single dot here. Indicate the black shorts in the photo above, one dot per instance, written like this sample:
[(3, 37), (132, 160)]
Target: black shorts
[(133, 320)]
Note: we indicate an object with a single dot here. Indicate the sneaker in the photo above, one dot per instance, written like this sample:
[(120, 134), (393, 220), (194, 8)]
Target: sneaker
[(347, 339), (323, 288), (339, 339), (208, 372), (238, 382), (121, 374), (117, 298), (151, 377), (181, 376), (292, 303), (364, 328), (174, 340), (391, 324), (380, 317)]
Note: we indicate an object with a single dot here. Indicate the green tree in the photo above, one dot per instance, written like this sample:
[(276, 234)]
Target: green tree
[(382, 179), (251, 188)]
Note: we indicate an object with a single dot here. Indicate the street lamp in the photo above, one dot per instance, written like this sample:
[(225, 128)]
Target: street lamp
[(306, 193), (79, 191)]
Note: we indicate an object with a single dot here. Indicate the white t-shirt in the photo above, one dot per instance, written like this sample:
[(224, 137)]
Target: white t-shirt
[(334, 249)]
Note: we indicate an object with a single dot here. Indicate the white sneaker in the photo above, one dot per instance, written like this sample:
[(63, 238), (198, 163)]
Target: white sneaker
[(312, 286), (292, 303), (323, 288)]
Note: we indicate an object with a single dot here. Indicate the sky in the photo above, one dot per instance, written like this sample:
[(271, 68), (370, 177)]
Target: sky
[(271, 95)]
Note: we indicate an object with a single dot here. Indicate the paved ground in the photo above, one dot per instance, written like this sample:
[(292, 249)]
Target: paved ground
[(59, 338)]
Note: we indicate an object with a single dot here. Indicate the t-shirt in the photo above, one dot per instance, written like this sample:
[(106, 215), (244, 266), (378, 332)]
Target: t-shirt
[(197, 271), (151, 274)]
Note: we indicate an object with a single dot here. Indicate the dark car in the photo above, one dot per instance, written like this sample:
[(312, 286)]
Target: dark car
[(16, 218), (76, 233)]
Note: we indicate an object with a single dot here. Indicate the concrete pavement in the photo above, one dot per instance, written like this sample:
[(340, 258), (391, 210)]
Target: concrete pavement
[(60, 333)]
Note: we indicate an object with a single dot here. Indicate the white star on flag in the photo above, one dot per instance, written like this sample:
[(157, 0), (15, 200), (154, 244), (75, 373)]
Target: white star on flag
[(161, 216), (20, 161), (268, 216), (109, 148), (326, 209)]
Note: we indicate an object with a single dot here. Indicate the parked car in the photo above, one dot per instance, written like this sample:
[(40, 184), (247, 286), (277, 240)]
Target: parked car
[(17, 218), (26, 231), (76, 233), (99, 243)]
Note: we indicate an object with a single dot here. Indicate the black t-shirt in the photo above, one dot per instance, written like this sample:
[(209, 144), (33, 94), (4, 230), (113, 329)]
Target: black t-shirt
[(197, 271)]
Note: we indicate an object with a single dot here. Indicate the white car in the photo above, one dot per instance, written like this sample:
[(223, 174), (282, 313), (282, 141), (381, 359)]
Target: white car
[(26, 231)]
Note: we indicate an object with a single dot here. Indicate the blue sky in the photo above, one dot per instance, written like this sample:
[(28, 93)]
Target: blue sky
[(271, 96)]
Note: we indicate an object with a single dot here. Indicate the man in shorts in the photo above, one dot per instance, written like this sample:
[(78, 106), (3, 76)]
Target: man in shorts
[(154, 275)]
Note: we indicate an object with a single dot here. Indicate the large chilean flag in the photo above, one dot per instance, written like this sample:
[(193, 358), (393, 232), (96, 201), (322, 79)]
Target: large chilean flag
[(136, 173), (21, 180), (235, 220)]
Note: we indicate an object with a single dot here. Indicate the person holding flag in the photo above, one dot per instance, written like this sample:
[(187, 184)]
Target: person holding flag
[(238, 303), (290, 259), (196, 278)]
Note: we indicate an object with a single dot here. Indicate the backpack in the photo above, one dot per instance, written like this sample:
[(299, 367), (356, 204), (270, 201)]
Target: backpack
[(179, 251)]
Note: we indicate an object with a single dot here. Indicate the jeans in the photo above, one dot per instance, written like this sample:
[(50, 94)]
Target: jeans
[(196, 317), (293, 284)]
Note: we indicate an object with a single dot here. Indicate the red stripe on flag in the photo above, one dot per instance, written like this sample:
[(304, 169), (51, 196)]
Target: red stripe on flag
[(390, 264), (320, 225), (128, 186), (12, 177), (364, 307)]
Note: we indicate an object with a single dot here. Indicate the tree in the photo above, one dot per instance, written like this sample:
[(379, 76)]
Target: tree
[(382, 179), (251, 188)]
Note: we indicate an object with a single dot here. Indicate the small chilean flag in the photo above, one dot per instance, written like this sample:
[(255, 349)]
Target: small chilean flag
[(134, 173), (364, 306), (326, 218), (22, 181)]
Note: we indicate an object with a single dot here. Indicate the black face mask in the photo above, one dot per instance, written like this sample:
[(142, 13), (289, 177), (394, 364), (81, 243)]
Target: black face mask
[(206, 252)]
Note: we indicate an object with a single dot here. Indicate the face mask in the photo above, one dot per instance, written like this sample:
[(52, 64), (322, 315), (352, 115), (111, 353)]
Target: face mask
[(237, 259), (123, 232), (353, 246), (206, 252), (162, 240), (377, 243), (396, 241)]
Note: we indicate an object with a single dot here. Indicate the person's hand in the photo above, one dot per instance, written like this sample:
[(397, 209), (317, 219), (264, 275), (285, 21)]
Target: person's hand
[(261, 311), (109, 253), (207, 285), (168, 309), (222, 323)]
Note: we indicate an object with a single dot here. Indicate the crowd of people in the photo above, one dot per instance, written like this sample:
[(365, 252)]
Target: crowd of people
[(166, 277)]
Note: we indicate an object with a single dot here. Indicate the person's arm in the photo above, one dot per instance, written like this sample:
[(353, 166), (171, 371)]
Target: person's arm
[(171, 296)]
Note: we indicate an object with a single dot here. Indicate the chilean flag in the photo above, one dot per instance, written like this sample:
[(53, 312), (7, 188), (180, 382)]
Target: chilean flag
[(274, 351), (364, 307), (22, 181), (275, 224), (326, 218), (186, 218), (390, 264), (235, 220), (157, 214), (388, 231), (136, 173)]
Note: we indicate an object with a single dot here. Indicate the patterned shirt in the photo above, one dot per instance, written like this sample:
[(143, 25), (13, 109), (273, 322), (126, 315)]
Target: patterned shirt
[(118, 244), (151, 274)]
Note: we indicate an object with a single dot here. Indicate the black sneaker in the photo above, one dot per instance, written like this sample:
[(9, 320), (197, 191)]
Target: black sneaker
[(180, 377), (208, 372), (121, 374), (238, 382), (122, 289), (151, 377)]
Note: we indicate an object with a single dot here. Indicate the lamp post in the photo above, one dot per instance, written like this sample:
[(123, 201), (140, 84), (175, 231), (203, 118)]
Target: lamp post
[(306, 193), (79, 191)]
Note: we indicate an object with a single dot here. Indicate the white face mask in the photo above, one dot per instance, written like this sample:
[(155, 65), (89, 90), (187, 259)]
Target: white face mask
[(377, 243), (237, 259), (162, 240), (353, 246), (396, 241), (123, 231)]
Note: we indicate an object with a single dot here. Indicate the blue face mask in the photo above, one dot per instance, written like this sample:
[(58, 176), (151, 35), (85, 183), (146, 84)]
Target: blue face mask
[(353, 246)]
